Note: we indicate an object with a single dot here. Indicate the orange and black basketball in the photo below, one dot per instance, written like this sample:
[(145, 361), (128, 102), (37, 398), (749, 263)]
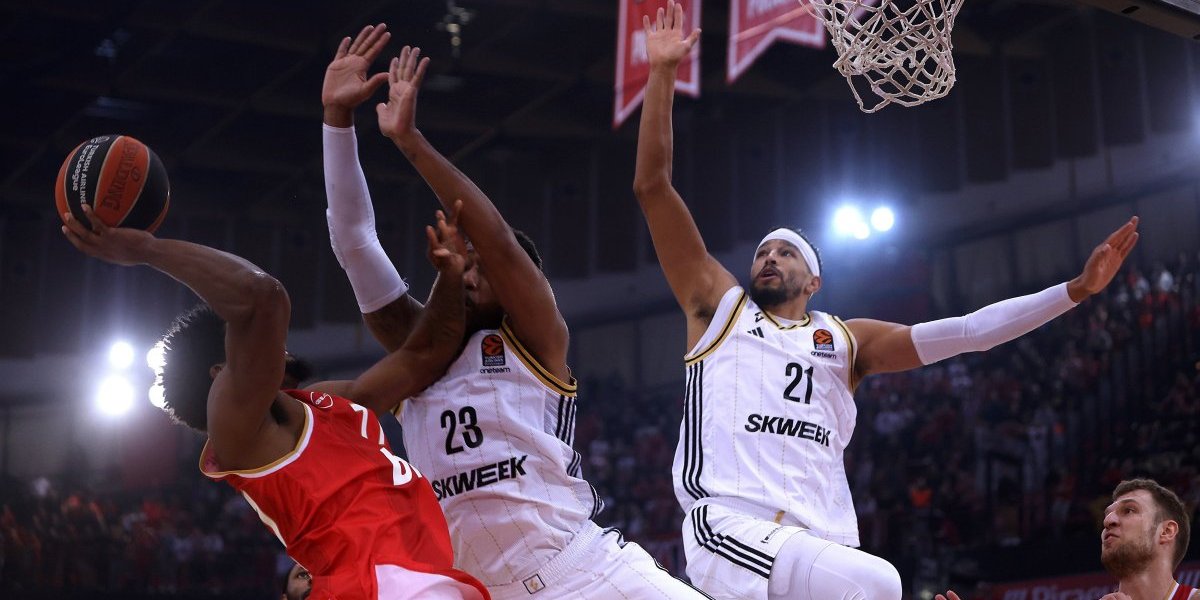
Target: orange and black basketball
[(122, 180)]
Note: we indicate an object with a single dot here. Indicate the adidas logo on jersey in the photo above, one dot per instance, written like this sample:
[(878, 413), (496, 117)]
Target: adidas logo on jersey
[(479, 477), (756, 332)]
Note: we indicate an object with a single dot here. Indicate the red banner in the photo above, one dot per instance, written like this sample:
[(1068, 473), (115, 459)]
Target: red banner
[(1080, 587), (755, 24), (633, 68)]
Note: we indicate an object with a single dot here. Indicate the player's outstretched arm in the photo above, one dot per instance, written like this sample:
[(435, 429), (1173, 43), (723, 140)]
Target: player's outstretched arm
[(436, 339), (519, 284), (695, 277), (382, 295), (889, 347), (254, 306)]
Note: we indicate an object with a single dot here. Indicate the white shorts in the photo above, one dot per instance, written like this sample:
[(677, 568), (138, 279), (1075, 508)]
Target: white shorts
[(730, 554), (734, 547), (398, 583), (598, 563)]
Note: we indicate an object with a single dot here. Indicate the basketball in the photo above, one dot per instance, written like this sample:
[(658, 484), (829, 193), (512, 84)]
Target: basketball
[(121, 178)]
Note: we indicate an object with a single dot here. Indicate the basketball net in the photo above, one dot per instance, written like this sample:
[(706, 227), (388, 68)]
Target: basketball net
[(900, 48)]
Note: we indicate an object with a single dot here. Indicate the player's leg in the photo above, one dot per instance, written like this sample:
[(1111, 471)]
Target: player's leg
[(810, 567)]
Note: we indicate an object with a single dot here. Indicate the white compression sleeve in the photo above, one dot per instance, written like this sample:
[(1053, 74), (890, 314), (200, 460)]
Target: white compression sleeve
[(351, 221), (989, 326)]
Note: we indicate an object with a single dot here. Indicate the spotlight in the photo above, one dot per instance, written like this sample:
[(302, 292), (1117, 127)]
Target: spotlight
[(155, 357), (882, 219), (115, 396), (120, 355), (156, 396), (861, 231), (847, 219)]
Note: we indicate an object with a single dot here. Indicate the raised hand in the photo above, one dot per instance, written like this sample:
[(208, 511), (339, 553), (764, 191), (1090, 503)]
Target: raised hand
[(665, 43), (117, 245), (1104, 262), (950, 595), (447, 249), (397, 116), (346, 83)]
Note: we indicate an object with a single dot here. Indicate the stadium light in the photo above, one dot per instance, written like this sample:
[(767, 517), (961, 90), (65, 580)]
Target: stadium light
[(882, 219), (155, 358), (861, 230), (156, 396), (115, 396), (847, 219), (120, 355)]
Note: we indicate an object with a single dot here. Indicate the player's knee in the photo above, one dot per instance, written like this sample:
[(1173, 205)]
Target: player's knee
[(880, 580)]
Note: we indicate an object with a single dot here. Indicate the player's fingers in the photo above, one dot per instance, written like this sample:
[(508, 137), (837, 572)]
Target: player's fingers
[(373, 39), (343, 48), (646, 23), (73, 224), (692, 38), (394, 70), (658, 20), (411, 66), (432, 237), (74, 239), (377, 47), (358, 39), (402, 61), (456, 212), (420, 74), (1127, 247), (98, 226), (678, 16), (375, 81)]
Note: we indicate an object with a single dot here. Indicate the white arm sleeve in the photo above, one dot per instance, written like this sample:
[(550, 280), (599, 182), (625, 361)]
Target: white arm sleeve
[(351, 219), (989, 326)]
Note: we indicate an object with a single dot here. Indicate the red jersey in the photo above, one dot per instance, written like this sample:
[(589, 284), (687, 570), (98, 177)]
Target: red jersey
[(343, 504)]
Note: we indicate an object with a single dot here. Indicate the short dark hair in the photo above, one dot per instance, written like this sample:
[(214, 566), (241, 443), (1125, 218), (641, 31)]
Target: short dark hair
[(528, 246), (1169, 507), (194, 343), (803, 236)]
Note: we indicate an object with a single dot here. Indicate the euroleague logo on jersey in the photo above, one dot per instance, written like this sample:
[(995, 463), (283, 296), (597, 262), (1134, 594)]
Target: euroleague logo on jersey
[(492, 350), (823, 340)]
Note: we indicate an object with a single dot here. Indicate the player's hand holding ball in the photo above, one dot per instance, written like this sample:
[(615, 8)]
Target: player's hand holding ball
[(118, 245)]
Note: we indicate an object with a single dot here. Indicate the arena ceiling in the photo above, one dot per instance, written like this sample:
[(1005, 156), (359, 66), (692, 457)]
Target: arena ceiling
[(227, 93)]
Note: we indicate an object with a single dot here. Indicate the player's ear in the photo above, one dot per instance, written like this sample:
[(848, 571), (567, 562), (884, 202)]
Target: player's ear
[(1170, 529), (814, 284)]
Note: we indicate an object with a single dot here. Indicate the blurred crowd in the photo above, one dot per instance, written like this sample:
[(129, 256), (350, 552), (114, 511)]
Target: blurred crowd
[(989, 450)]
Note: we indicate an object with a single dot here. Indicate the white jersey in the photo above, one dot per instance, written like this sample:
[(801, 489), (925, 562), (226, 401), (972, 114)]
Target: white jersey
[(494, 438), (768, 413)]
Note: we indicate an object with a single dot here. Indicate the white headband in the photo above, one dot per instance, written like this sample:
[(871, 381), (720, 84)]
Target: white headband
[(793, 238)]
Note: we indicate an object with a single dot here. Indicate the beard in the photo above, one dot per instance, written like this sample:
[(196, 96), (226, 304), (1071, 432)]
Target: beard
[(768, 297), (1127, 557)]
